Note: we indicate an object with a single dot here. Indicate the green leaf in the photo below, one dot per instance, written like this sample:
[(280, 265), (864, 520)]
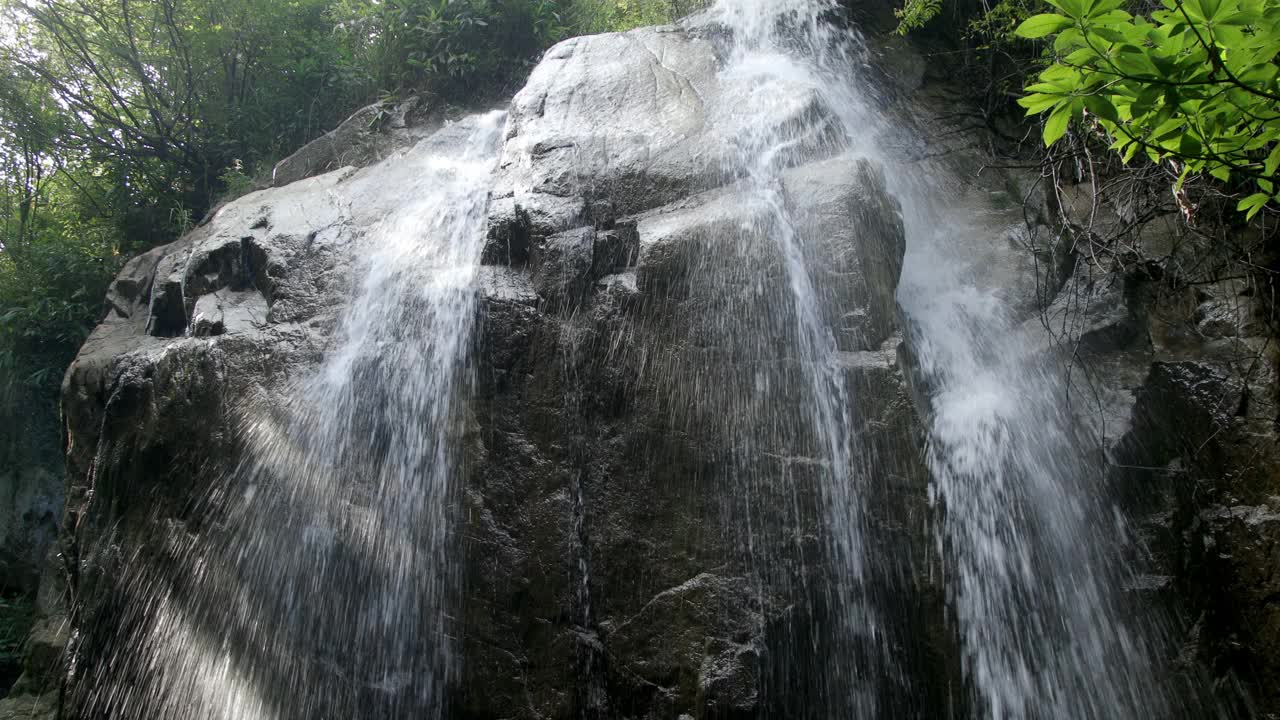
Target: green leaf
[(1193, 9), (1038, 26), (1071, 7), (1038, 103), (1182, 176), (1168, 129), (1106, 33), (1082, 56), (1239, 18), (1167, 68), (1049, 88), (1253, 204), (1189, 145), (1273, 161), (1055, 126), (1067, 39), (1102, 107)]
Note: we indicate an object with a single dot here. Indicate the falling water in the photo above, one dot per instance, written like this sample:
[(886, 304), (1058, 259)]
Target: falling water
[(329, 587), (1035, 551), (780, 54)]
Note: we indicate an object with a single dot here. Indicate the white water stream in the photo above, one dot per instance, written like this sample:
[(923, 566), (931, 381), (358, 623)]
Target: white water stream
[(328, 589), (1033, 548)]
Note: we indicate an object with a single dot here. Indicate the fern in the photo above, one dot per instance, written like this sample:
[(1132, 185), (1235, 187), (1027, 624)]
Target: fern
[(915, 13)]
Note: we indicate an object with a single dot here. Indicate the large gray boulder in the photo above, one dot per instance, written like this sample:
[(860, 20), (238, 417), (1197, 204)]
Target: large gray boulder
[(644, 503), (629, 389), (197, 333), (615, 124)]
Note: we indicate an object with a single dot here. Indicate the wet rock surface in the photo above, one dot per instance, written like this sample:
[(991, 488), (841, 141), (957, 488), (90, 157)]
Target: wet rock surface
[(620, 455), (1198, 460), (1172, 374), (1175, 372), (642, 516), (624, 454), (635, 342)]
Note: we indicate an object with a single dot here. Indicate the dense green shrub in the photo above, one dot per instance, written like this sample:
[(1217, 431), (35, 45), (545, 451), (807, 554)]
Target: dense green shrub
[(613, 15), (446, 46), (1190, 85)]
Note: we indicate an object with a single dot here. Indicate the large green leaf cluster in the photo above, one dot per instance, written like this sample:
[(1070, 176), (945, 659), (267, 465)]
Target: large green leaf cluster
[(1196, 84)]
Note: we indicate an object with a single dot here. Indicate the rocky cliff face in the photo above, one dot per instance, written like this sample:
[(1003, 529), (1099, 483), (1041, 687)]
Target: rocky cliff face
[(634, 335), (1166, 342), (1177, 374), (641, 538), (642, 515)]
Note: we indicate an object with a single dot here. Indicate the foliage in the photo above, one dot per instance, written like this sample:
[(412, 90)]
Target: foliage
[(445, 46), (616, 15), (1197, 85), (915, 13), (165, 94), (456, 47), (235, 181), (52, 282), (998, 22)]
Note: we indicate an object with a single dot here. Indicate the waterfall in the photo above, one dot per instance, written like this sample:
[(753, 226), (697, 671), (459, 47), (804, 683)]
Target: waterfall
[(1033, 548), (324, 579), (778, 47), (327, 588), (1038, 557)]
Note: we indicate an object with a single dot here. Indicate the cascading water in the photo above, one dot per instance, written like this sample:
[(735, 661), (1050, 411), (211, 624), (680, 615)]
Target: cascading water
[(1034, 549), (772, 55), (328, 589), (1039, 561)]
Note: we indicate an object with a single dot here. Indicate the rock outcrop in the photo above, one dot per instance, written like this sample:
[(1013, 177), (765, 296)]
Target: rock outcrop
[(642, 538), (1165, 341), (31, 498), (645, 514), (1183, 386), (369, 135)]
